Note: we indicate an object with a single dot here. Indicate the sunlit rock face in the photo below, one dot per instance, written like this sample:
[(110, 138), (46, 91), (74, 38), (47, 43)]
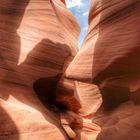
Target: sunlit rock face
[(109, 58), (37, 37), (113, 25)]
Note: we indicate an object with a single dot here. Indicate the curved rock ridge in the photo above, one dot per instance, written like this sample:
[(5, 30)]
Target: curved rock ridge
[(109, 58), (37, 37)]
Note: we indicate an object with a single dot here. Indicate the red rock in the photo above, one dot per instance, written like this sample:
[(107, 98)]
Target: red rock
[(37, 36), (63, 1), (109, 58), (45, 93)]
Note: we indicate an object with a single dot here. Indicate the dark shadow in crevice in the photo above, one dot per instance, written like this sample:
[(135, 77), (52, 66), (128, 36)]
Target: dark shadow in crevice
[(113, 96), (46, 87), (46, 54)]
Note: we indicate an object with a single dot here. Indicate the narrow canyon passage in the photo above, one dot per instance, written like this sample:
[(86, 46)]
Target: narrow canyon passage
[(52, 90), (80, 9)]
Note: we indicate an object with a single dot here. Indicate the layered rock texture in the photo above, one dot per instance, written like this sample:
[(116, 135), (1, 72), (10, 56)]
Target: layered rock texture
[(109, 58), (37, 37), (51, 91)]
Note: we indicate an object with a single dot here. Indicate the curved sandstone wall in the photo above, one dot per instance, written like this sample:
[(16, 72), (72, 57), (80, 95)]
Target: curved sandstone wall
[(109, 58), (50, 90), (37, 37)]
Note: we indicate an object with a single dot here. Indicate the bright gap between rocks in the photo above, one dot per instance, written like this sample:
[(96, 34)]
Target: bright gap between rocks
[(80, 9)]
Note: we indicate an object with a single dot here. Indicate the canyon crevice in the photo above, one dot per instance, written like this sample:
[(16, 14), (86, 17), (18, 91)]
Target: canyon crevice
[(51, 90)]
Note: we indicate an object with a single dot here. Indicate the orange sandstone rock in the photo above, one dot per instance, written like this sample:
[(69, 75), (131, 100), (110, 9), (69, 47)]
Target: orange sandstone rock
[(37, 36), (49, 90)]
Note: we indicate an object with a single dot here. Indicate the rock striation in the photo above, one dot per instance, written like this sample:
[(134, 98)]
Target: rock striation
[(50, 90), (36, 38), (109, 58)]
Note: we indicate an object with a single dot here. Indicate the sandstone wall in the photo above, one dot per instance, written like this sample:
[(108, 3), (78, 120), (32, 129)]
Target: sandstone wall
[(36, 38), (50, 90), (109, 58)]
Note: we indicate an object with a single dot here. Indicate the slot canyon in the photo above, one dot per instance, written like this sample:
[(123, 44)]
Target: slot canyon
[(52, 90)]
